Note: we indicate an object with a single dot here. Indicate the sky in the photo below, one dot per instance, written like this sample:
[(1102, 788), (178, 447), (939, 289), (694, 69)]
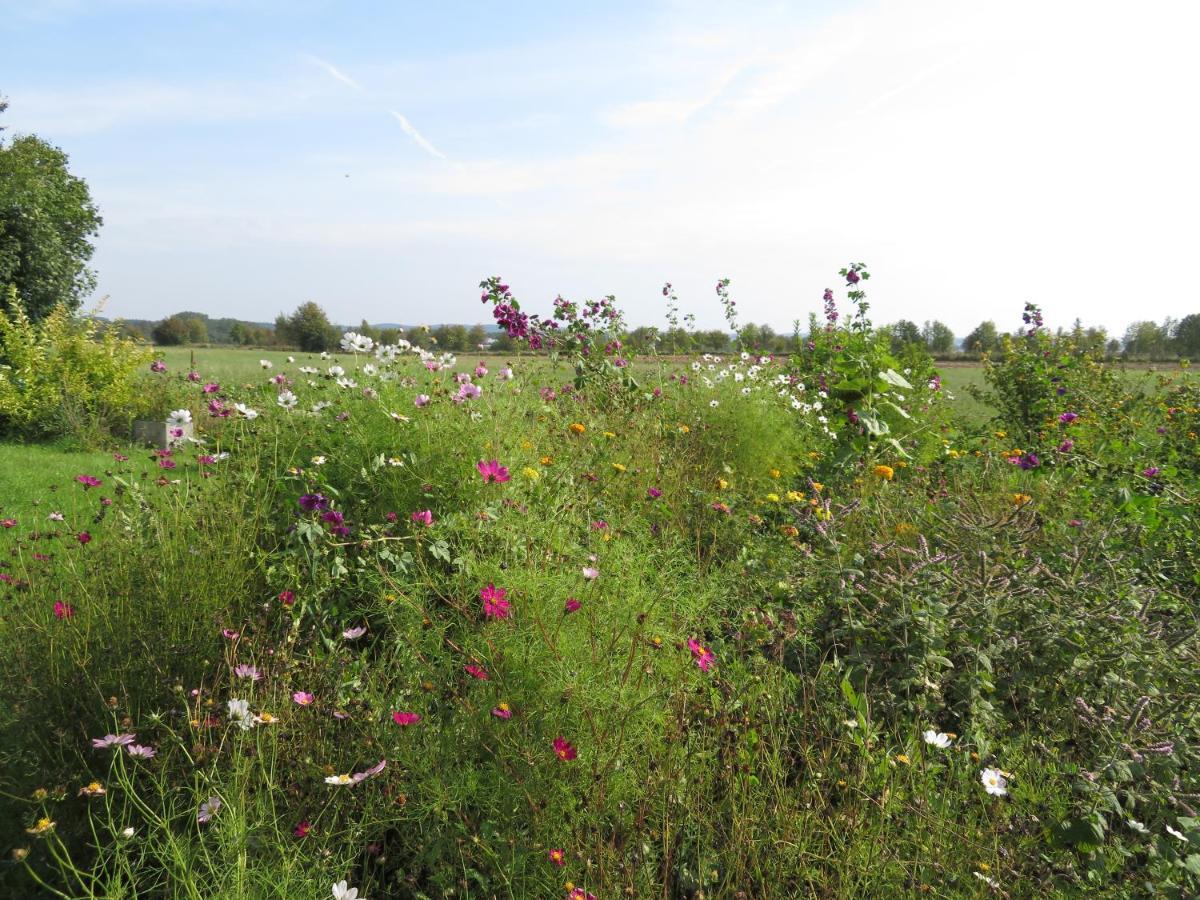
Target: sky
[(383, 158)]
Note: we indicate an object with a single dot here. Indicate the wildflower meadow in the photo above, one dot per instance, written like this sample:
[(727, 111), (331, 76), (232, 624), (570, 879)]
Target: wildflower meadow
[(570, 622)]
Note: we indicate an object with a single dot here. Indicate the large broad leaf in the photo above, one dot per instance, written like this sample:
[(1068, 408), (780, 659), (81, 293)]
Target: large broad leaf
[(1084, 831), (896, 446), (875, 426), (897, 408), (891, 376)]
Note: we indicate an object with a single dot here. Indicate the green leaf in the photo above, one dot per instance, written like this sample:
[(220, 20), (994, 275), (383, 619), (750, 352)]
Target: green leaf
[(891, 376)]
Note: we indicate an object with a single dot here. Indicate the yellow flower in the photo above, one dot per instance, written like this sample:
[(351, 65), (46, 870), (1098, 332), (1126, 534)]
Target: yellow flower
[(577, 428), (823, 514), (887, 473), (1020, 499), (610, 434), (789, 531), (43, 825), (1001, 434), (620, 467), (266, 718), (905, 528), (547, 460), (774, 473), (902, 758), (722, 484), (772, 498), (526, 444), (683, 429), (19, 853), (95, 789), (40, 794), (818, 487), (531, 473), (813, 454), (795, 497)]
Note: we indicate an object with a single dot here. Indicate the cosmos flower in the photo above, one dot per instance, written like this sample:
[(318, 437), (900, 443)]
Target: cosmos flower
[(571, 605), (406, 718), (113, 740), (491, 470), (422, 517), (302, 698), (938, 739), (340, 890), (564, 749), (476, 672), (704, 657), (502, 711), (140, 751), (287, 399), (354, 633), (177, 418), (558, 856), (591, 573), (495, 603), (207, 810), (63, 610), (994, 782)]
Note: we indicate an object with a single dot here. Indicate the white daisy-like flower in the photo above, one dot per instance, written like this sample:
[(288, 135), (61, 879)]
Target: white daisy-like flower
[(352, 342), (286, 399), (1178, 835), (266, 363), (342, 892), (240, 715), (291, 359), (245, 412), (338, 779), (714, 403), (318, 460), (177, 418), (994, 782), (938, 739), (369, 369), (335, 371), (1135, 825), (309, 370), (347, 383)]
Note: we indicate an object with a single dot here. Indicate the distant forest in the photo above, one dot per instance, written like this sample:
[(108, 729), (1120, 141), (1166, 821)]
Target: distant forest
[(308, 328)]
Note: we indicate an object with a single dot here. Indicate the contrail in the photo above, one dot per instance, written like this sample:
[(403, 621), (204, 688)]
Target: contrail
[(417, 137), (335, 72)]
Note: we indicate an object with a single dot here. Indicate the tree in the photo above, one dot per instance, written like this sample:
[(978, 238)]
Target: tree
[(903, 334), (476, 337), (47, 220), (1187, 336), (1145, 339), (307, 328), (984, 339), (171, 331), (938, 338)]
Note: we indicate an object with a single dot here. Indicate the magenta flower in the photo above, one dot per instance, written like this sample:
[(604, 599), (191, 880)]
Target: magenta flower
[(564, 749), (8, 523), (653, 493), (63, 610), (88, 481), (421, 400), (476, 672), (1065, 446), (502, 711), (495, 604), (211, 388), (423, 517), (572, 605), (158, 366), (406, 718), (704, 657), (83, 537), (230, 634), (491, 470), (1151, 471), (1068, 417), (287, 598)]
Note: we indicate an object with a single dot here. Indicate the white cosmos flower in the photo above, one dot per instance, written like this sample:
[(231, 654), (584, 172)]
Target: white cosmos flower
[(286, 399), (342, 892), (938, 739), (127, 833), (347, 383), (505, 374), (240, 715), (369, 369), (336, 371), (1178, 835), (1137, 826), (177, 418), (266, 363), (324, 354), (246, 411), (309, 370), (994, 782), (352, 342), (291, 359), (385, 353), (714, 403)]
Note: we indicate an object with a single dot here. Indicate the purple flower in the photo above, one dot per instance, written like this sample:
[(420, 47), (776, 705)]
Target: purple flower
[(158, 366), (1151, 471), (1029, 461), (208, 809), (1068, 417), (246, 670), (1065, 446), (140, 751), (313, 502)]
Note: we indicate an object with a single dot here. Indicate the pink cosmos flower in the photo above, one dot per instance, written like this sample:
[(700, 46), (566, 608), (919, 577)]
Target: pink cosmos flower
[(653, 493), (230, 634), (88, 481), (502, 711), (83, 537), (120, 457), (211, 388), (704, 657), (246, 670), (406, 718), (491, 470), (63, 610), (140, 751), (558, 856), (580, 894), (572, 605), (302, 698), (591, 573), (564, 749), (423, 517), (495, 604), (113, 740), (303, 827), (158, 366), (353, 634), (369, 773), (477, 672), (422, 400), (8, 523), (287, 598)]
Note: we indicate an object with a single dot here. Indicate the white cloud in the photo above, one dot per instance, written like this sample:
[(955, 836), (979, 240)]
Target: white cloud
[(334, 72), (417, 138)]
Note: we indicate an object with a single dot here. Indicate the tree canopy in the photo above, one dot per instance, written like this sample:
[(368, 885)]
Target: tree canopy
[(47, 222)]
